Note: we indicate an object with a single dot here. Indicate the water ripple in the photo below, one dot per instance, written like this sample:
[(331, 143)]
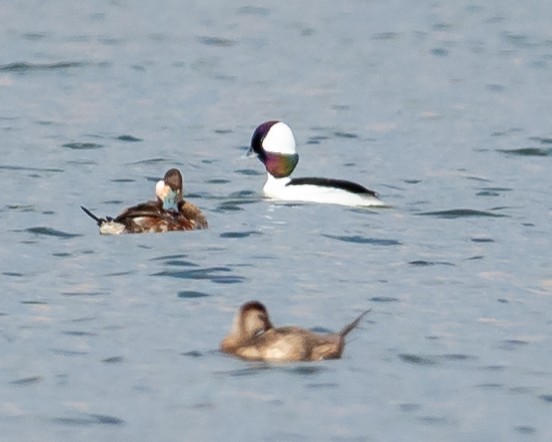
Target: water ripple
[(248, 172), (82, 146), (528, 152), (385, 36), (305, 370), (21, 208), (384, 299), (148, 161), (211, 273), (512, 344), (424, 263), (316, 139), (48, 231), (89, 419), (82, 293), (168, 257), (254, 10), (417, 360), (63, 352), (239, 234), (27, 381), (78, 333), (113, 360), (255, 369), (321, 385), (363, 240), (542, 140), (29, 169), (26, 66), (234, 205), (180, 263), (190, 294), (192, 354), (429, 360), (525, 429), (128, 138), (482, 240), (463, 213), (216, 41), (345, 135)]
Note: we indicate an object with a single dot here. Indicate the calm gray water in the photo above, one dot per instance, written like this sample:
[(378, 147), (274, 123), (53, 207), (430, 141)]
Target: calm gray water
[(443, 107)]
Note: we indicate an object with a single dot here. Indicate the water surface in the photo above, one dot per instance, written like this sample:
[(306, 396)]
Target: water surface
[(441, 107)]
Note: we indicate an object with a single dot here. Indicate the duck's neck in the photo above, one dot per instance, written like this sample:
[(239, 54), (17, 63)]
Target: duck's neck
[(279, 165)]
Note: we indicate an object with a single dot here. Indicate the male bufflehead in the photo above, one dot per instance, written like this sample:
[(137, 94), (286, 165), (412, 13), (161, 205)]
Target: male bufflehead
[(253, 337), (169, 212), (273, 143)]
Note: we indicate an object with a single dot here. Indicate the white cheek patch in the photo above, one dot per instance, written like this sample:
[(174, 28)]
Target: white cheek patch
[(161, 190), (279, 139)]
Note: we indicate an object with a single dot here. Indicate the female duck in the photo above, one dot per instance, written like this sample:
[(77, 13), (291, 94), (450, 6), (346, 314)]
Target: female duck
[(274, 144), (253, 337), (169, 212)]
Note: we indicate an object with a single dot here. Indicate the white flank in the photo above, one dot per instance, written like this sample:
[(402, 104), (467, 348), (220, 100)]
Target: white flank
[(278, 189), (112, 228)]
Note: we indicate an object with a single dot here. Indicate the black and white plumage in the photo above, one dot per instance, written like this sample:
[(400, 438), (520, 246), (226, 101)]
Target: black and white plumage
[(273, 143)]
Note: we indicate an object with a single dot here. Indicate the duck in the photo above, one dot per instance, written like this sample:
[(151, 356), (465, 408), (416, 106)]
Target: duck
[(254, 338), (168, 212), (274, 144)]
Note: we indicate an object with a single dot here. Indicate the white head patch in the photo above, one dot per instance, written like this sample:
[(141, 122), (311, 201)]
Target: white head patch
[(161, 190), (279, 139)]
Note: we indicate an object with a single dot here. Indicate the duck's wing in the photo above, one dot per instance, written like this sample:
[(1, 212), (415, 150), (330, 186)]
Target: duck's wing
[(148, 217), (147, 209), (286, 344)]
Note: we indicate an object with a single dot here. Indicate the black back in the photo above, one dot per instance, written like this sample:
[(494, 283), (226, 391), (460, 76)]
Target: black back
[(349, 186)]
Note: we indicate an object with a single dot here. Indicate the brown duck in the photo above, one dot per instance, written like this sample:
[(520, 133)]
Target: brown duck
[(169, 212), (253, 337)]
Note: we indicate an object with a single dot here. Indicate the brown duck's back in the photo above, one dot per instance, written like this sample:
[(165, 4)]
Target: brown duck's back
[(254, 338), (292, 344), (150, 217), (193, 213), (144, 209)]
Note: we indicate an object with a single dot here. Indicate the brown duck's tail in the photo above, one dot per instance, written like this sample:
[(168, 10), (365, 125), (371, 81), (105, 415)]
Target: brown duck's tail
[(345, 331), (98, 220)]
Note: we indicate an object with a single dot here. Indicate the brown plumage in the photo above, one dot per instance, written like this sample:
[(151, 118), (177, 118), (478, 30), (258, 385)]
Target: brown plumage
[(253, 337), (152, 216)]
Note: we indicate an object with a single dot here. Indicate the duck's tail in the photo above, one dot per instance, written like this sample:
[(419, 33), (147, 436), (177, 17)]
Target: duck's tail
[(98, 220), (345, 331)]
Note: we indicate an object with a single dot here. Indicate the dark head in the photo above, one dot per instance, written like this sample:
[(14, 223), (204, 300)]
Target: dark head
[(173, 179), (253, 319), (169, 190)]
